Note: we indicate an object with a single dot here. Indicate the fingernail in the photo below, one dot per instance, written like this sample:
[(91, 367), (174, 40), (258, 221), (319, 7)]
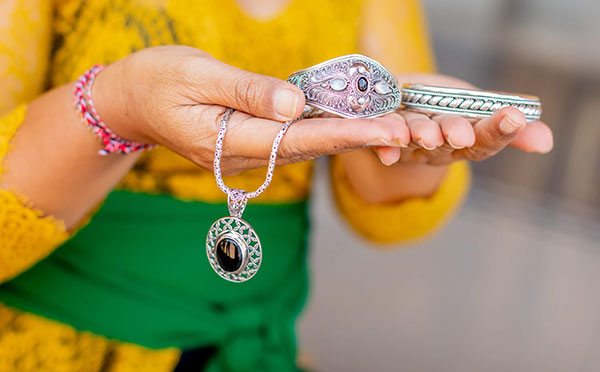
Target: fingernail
[(387, 163), (379, 142), (453, 145), (286, 103), (544, 148), (508, 125), (399, 143), (389, 158), (422, 144)]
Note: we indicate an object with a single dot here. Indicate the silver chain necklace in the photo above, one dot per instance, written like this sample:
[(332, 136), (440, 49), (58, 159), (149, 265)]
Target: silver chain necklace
[(232, 246)]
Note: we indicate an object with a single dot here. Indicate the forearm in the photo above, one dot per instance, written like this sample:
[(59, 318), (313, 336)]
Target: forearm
[(54, 160)]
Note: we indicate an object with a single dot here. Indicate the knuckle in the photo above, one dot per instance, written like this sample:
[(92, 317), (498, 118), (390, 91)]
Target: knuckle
[(186, 64), (189, 59), (185, 69), (201, 147), (288, 149), (248, 93), (293, 151), (210, 119), (382, 132)]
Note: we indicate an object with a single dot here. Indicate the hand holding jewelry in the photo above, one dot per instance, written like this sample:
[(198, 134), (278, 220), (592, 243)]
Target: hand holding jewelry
[(434, 109), (441, 135), (359, 88), (232, 246)]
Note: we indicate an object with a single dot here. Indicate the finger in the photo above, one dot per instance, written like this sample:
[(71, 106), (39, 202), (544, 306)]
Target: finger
[(494, 133), (309, 138), (396, 123), (388, 155), (318, 137), (457, 131), (258, 95), (535, 137), (424, 132), (399, 128)]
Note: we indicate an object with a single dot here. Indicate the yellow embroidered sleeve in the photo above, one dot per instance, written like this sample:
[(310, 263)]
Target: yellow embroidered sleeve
[(26, 234), (410, 219), (398, 37), (25, 34), (32, 343)]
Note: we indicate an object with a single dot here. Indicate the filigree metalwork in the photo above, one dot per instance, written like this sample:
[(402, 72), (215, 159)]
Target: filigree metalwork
[(351, 86), (466, 102), (252, 250)]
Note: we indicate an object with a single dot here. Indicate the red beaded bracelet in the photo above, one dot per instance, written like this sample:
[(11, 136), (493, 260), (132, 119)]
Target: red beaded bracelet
[(85, 106)]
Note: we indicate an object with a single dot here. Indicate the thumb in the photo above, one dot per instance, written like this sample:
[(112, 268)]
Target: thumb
[(258, 95)]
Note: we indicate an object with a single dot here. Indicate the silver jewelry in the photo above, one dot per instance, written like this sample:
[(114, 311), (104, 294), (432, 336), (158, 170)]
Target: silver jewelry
[(232, 246), (356, 86), (351, 86), (466, 102)]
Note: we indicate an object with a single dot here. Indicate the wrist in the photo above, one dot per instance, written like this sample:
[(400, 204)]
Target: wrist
[(378, 183), (114, 106)]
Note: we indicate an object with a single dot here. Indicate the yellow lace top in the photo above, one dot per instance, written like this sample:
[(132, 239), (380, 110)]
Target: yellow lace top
[(54, 42)]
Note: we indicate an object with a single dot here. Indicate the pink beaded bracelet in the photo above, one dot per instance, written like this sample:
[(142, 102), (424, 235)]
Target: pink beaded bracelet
[(85, 106)]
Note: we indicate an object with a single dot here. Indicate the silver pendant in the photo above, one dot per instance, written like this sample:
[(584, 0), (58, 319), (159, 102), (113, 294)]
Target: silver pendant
[(233, 249), (232, 246)]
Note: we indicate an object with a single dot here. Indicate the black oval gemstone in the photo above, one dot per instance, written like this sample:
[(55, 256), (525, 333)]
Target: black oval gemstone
[(229, 254), (362, 84)]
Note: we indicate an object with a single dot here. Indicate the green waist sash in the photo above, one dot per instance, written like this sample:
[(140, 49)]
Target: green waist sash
[(139, 273)]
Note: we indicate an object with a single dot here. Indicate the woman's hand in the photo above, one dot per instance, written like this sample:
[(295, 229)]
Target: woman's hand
[(443, 139), (175, 95), (434, 142), (172, 96)]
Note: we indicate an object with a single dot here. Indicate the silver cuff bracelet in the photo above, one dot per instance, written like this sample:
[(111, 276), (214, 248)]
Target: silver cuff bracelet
[(352, 86), (466, 102)]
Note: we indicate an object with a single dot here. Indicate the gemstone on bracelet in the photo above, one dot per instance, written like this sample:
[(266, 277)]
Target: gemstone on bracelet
[(229, 254), (338, 84), (382, 87), (362, 84)]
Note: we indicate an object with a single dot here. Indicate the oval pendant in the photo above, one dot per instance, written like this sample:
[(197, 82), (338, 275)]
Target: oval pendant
[(233, 249)]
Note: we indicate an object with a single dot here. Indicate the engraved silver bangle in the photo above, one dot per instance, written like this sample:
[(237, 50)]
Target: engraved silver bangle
[(351, 86), (466, 102)]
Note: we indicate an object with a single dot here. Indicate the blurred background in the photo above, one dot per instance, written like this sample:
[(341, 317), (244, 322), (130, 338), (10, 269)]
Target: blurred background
[(512, 283)]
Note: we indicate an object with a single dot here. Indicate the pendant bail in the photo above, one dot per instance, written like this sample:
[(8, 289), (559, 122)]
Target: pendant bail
[(236, 202)]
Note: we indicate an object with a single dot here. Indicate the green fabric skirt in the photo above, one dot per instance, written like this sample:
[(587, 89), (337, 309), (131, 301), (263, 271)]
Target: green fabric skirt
[(138, 273)]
